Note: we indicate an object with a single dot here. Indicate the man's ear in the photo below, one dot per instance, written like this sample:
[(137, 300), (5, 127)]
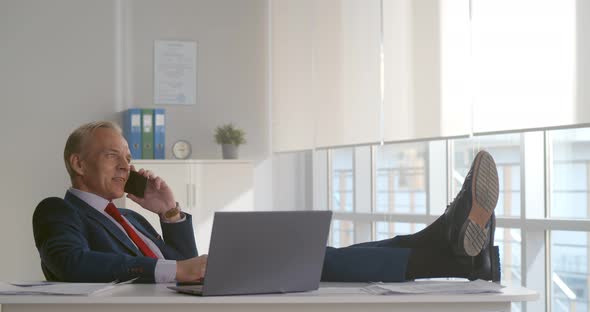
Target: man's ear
[(76, 164)]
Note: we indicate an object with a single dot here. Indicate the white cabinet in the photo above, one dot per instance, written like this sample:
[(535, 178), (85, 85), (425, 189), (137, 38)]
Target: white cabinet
[(201, 187)]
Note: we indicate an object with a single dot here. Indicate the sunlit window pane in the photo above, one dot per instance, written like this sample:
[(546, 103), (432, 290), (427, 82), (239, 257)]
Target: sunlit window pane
[(569, 271), (385, 230), (342, 234), (505, 149), (509, 242), (569, 173), (400, 178), (342, 180)]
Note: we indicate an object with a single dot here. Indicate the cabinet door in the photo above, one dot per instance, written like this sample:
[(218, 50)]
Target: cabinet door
[(178, 178), (219, 187)]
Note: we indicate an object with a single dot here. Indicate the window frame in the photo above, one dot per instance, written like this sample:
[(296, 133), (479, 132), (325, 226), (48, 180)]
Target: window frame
[(535, 230)]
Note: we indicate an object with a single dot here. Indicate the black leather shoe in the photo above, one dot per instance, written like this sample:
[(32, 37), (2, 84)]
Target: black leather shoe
[(468, 217), (486, 265), (432, 262), (493, 271)]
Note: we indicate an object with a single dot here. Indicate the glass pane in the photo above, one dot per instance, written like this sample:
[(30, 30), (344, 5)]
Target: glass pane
[(342, 233), (400, 178), (385, 230), (569, 267), (509, 242), (505, 149), (570, 169), (363, 231), (342, 180)]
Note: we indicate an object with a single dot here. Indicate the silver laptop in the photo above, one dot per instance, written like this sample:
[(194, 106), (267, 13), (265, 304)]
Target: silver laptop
[(264, 252)]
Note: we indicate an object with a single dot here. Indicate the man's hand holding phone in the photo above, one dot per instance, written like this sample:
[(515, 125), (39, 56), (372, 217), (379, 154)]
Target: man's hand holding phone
[(157, 196)]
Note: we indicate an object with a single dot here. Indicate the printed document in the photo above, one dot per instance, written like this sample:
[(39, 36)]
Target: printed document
[(56, 288), (434, 287)]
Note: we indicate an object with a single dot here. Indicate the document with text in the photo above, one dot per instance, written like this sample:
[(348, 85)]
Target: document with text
[(56, 288), (434, 287)]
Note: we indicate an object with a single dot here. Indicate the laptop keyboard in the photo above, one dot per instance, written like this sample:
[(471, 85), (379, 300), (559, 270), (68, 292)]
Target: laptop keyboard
[(188, 289)]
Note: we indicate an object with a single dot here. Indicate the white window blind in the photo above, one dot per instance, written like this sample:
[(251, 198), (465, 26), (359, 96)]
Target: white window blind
[(426, 57), (293, 114), (450, 68), (525, 64), (346, 71)]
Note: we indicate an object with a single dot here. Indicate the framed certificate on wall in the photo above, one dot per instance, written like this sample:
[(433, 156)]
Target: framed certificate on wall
[(175, 72)]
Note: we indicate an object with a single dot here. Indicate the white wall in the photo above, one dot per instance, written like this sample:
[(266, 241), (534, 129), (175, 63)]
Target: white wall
[(66, 62)]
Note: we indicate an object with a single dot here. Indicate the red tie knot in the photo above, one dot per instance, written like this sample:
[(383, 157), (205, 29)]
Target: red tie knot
[(112, 210)]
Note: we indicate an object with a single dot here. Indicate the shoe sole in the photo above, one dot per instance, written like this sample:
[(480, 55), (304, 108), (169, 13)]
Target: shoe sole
[(484, 195)]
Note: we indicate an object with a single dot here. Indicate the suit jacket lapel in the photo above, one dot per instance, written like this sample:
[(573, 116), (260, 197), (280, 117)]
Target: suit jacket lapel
[(104, 221)]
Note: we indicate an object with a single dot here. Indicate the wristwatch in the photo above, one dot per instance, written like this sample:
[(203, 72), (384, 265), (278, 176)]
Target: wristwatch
[(172, 212)]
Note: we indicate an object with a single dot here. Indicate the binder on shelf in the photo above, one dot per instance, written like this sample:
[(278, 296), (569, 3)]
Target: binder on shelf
[(147, 133), (132, 131), (159, 133)]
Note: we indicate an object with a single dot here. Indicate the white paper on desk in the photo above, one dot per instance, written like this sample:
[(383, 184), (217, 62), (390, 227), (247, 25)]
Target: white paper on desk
[(433, 287), (66, 289), (322, 291)]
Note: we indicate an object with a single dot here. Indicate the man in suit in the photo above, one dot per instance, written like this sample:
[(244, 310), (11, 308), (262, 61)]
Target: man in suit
[(85, 238)]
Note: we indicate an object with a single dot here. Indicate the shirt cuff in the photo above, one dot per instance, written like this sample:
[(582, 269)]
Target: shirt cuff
[(165, 271), (182, 215)]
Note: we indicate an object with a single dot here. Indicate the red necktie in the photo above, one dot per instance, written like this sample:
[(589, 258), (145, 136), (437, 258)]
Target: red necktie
[(114, 212)]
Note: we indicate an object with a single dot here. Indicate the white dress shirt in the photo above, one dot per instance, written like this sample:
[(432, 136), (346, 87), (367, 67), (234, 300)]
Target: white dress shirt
[(165, 271)]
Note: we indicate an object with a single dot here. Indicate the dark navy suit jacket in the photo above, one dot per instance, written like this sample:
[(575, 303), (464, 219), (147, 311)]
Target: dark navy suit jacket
[(79, 244)]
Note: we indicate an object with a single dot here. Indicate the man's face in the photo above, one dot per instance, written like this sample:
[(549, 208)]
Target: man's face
[(104, 161)]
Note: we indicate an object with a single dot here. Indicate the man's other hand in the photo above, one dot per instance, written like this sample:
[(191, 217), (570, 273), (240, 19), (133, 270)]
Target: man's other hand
[(191, 270)]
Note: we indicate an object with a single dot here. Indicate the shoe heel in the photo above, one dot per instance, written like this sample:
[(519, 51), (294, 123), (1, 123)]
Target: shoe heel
[(474, 238), (495, 265)]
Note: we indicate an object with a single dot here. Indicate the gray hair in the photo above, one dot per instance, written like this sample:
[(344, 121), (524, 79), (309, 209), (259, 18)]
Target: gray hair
[(78, 139)]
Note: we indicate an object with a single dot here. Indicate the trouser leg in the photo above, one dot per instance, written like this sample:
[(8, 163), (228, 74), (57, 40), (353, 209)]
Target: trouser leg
[(365, 264)]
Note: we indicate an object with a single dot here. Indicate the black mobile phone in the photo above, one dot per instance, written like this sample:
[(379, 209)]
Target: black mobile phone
[(136, 184)]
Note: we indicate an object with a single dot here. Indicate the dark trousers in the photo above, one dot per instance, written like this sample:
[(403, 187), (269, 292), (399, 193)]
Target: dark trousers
[(384, 261), (390, 260)]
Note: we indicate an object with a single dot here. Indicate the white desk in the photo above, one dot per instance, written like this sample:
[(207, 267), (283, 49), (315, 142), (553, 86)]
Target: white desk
[(330, 297)]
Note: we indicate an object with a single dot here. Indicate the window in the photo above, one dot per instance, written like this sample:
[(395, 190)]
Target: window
[(551, 218), (342, 180), (385, 230), (570, 170), (400, 178), (509, 242), (506, 152), (569, 272), (342, 233)]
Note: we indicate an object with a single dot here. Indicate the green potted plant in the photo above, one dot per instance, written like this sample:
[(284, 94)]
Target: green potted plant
[(229, 137)]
